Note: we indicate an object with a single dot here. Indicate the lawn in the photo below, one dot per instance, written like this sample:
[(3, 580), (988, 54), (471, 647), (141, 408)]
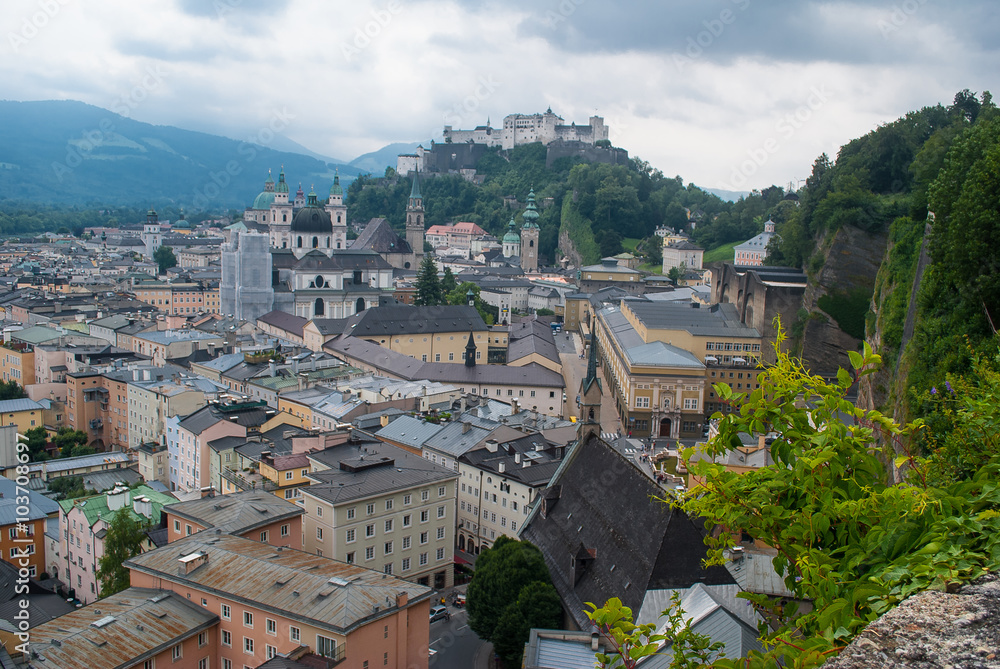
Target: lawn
[(721, 253), (629, 244)]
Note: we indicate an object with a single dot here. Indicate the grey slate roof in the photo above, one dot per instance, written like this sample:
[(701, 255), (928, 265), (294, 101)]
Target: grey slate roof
[(599, 509), (528, 337), (23, 404), (719, 320), (236, 513), (379, 236), (393, 320), (400, 470), (456, 439)]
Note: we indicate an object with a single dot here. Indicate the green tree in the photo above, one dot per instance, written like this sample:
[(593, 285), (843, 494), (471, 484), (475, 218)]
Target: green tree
[(448, 281), (428, 285), (537, 605), (69, 487), (123, 541), (10, 390), (676, 273), (460, 296), (165, 258), (502, 571), (67, 439), (36, 438)]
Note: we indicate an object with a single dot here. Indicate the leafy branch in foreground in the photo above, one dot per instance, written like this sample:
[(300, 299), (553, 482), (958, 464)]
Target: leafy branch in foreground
[(849, 539)]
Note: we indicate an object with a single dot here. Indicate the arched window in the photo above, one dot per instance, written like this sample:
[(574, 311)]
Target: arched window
[(315, 242), (338, 245), (319, 309), (327, 242), (359, 306), (300, 241), (338, 218), (531, 244), (284, 218)]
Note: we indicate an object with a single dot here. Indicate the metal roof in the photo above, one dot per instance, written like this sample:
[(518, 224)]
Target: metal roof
[(23, 404), (238, 512), (121, 631), (289, 582)]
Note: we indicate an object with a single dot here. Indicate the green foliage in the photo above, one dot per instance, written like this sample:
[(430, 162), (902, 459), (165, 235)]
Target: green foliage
[(537, 605), (448, 282), (165, 258), (848, 308), (10, 390), (123, 541), (460, 296), (544, 312), (68, 440), (36, 438), (847, 538), (428, 284), (632, 643), (505, 571), (69, 487), (676, 273)]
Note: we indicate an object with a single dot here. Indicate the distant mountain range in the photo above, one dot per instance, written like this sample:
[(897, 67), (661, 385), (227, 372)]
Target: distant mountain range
[(68, 152)]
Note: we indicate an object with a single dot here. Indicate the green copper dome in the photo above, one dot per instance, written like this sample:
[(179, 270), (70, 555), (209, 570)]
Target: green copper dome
[(530, 214), (336, 189), (263, 201), (282, 186), (511, 237)]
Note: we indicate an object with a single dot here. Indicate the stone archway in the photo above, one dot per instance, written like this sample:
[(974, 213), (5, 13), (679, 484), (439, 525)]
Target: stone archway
[(461, 542), (665, 425)]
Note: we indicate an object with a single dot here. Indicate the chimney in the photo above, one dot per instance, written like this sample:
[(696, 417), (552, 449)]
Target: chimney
[(207, 491), (466, 426), (491, 445), (190, 562), (502, 467), (272, 368), (594, 641), (401, 599), (142, 506), (295, 366), (517, 458)]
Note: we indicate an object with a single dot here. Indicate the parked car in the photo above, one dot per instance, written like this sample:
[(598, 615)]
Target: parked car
[(440, 612)]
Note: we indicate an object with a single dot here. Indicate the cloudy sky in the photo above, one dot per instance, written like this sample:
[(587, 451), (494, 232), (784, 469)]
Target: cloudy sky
[(731, 94)]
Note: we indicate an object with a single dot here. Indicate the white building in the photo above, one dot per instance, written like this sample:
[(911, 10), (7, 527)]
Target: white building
[(752, 252)]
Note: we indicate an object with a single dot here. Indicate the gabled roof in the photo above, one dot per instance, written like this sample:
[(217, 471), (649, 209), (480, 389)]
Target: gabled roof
[(403, 319), (409, 431), (379, 236), (631, 542)]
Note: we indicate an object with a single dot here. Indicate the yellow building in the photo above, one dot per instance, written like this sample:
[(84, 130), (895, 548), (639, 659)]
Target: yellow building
[(17, 363), (288, 473), (661, 360), (24, 413)]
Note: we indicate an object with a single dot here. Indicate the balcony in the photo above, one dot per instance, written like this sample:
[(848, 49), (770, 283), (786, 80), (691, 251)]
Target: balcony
[(96, 424), (249, 480)]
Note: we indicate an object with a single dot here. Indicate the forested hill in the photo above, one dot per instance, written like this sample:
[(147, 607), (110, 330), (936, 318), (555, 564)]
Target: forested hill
[(71, 153), (597, 206)]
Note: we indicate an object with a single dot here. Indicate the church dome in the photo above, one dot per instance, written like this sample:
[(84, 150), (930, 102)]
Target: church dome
[(264, 200), (530, 214), (511, 237), (312, 218)]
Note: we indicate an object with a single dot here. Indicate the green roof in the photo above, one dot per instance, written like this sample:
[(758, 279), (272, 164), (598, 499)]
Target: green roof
[(511, 237), (415, 189), (530, 214), (96, 506), (282, 187), (336, 189), (264, 200)]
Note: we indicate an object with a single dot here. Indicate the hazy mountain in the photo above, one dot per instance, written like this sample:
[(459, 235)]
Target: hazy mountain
[(730, 195), (74, 153), (376, 161)]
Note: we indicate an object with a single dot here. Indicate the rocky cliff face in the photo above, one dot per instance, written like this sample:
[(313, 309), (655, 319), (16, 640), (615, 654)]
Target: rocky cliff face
[(852, 258)]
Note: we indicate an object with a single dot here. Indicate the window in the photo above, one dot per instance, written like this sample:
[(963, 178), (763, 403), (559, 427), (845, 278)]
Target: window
[(204, 602), (350, 558), (440, 554), (406, 542), (513, 526), (248, 645), (202, 639), (271, 651), (425, 495), (284, 530), (203, 663), (388, 548), (149, 664), (424, 516), (370, 530), (691, 403), (326, 647), (177, 526), (294, 634), (423, 559), (641, 402), (406, 520), (371, 509), (388, 525), (388, 505), (406, 564), (319, 533), (441, 490), (227, 638), (187, 529), (350, 513), (387, 568), (288, 476), (406, 499), (370, 553), (227, 663), (272, 627), (319, 512), (440, 533), (225, 612), (175, 652), (247, 619), (350, 536), (263, 537), (423, 538), (441, 511)]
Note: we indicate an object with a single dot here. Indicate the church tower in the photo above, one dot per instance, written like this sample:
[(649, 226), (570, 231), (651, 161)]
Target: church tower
[(281, 214), (415, 220), (511, 241), (151, 236), (591, 393), (529, 235), (338, 213)]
